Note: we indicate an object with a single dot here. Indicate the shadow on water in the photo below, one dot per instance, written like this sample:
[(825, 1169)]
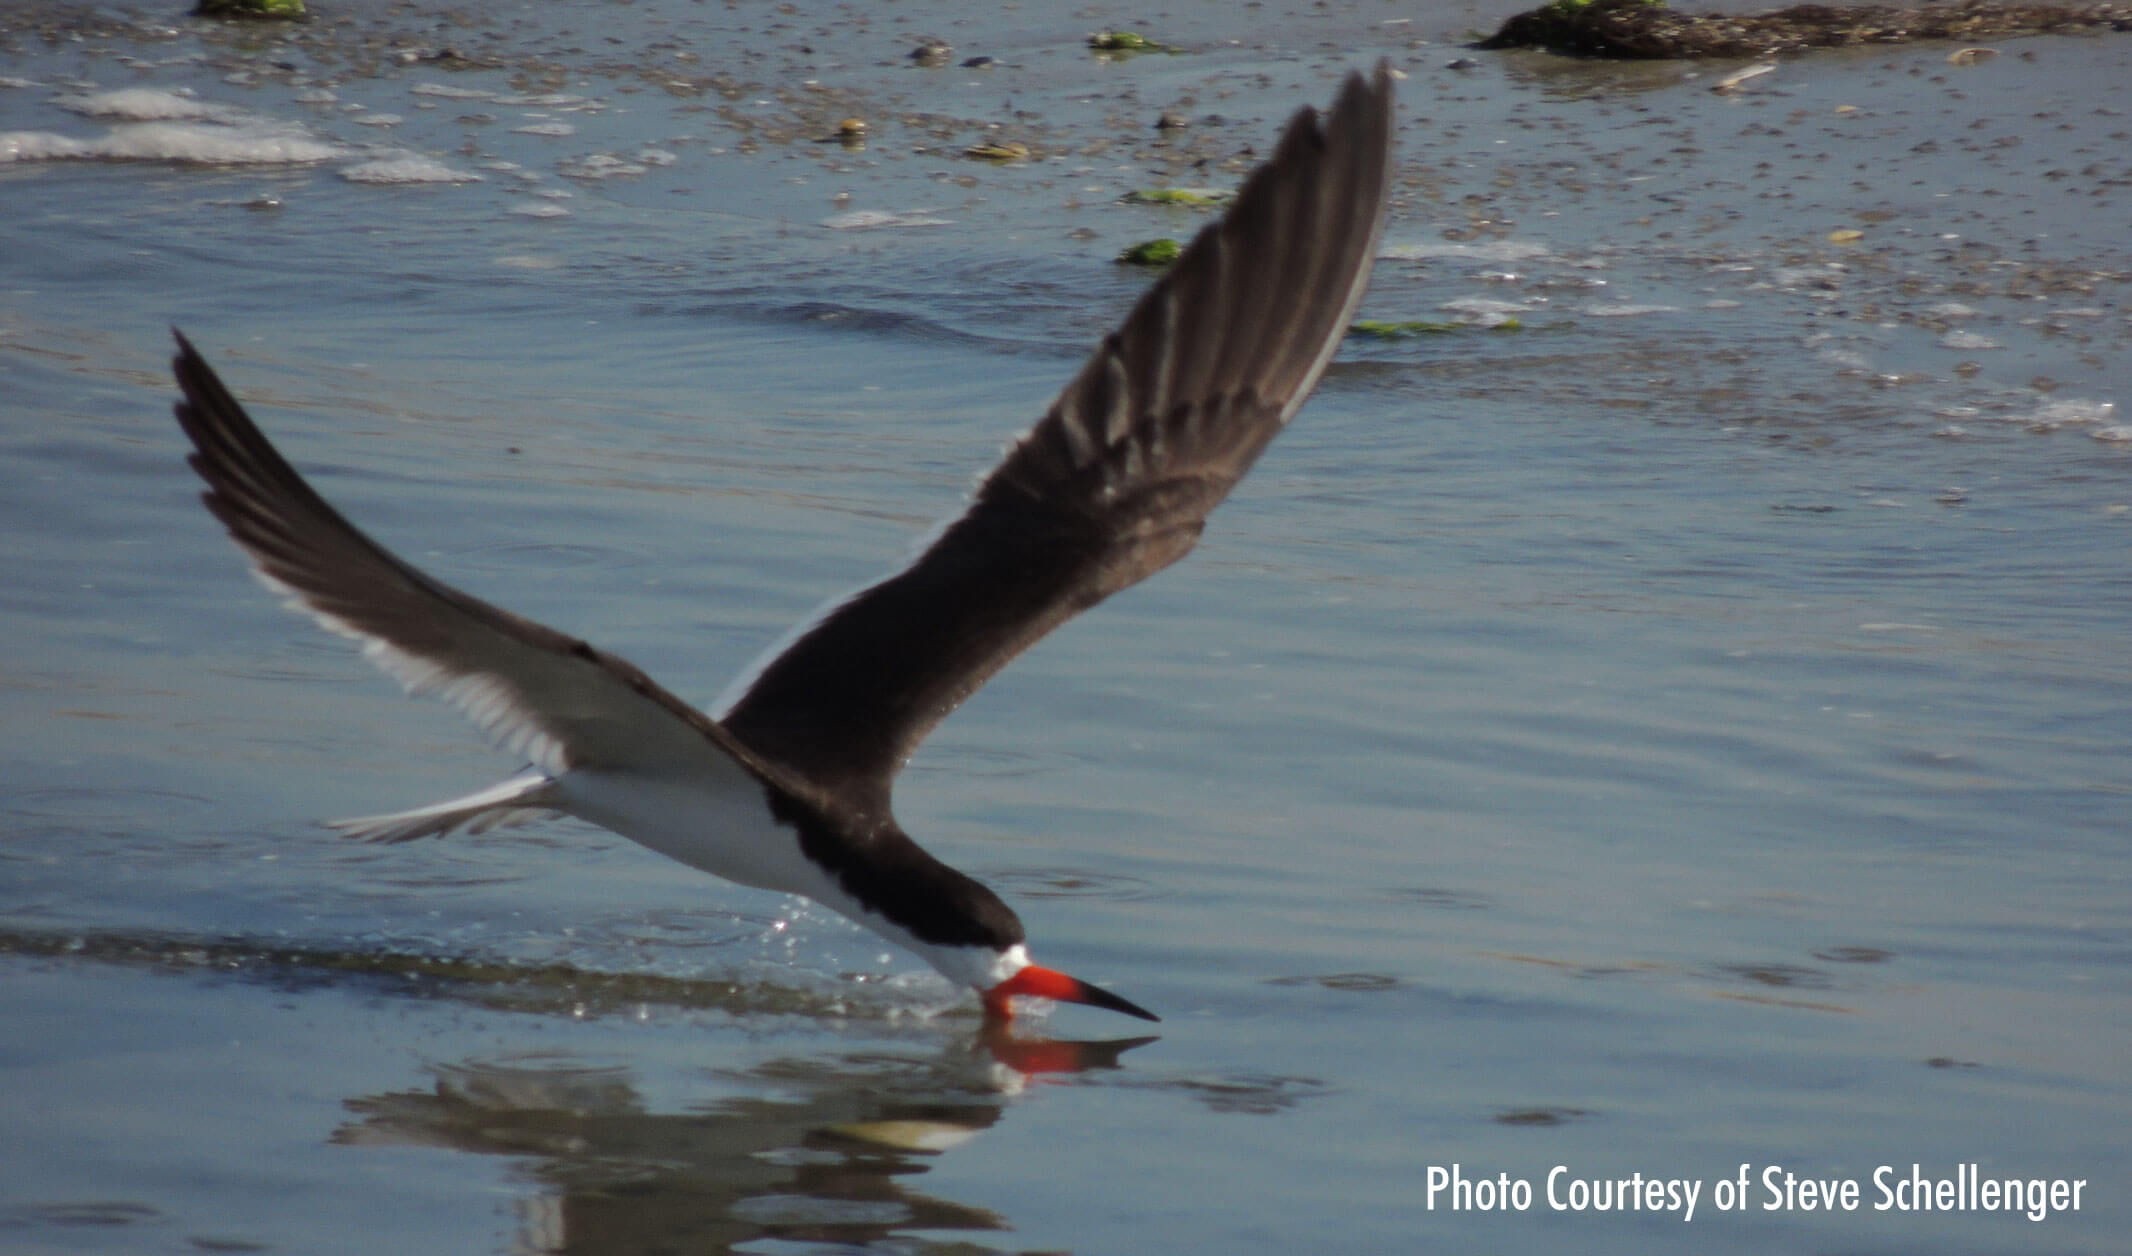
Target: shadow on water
[(828, 1159), (820, 1148)]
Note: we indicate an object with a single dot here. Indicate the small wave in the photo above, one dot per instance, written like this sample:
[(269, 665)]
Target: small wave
[(158, 124), (186, 143), (1074, 883), (1365, 982)]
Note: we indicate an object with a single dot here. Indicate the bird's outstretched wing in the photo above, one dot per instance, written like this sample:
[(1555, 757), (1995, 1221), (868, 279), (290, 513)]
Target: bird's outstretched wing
[(1115, 482), (534, 691)]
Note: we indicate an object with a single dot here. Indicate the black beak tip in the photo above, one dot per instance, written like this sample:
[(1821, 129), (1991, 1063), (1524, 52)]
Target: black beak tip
[(1096, 996)]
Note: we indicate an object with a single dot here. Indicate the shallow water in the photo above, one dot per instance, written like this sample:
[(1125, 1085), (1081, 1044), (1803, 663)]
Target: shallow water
[(1681, 731)]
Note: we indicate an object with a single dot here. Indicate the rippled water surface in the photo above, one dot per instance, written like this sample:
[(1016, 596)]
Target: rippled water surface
[(1668, 712)]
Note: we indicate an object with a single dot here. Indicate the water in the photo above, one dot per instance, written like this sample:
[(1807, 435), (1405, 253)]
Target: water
[(1682, 732)]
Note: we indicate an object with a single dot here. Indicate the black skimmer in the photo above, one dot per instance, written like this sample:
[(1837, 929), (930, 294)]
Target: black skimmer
[(788, 787)]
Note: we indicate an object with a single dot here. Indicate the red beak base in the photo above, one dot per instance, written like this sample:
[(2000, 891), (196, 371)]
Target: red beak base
[(1044, 983)]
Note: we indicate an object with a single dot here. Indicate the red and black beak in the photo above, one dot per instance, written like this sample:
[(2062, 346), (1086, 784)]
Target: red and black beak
[(1045, 983)]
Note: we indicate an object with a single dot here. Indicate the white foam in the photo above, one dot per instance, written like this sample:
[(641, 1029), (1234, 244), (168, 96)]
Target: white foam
[(1487, 311), (1627, 310), (1824, 277), (446, 91), (545, 128), (406, 168), (600, 166), (189, 143), (147, 104), (160, 124), (2064, 410), (38, 146), (879, 219), (1492, 251)]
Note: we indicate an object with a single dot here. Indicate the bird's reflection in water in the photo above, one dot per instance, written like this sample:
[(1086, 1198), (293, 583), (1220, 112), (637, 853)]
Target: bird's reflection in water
[(829, 1159)]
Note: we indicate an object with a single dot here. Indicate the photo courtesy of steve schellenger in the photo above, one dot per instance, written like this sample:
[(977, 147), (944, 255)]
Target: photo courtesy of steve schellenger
[(1968, 1189)]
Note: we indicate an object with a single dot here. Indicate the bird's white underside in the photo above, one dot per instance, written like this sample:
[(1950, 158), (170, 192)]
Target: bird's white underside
[(718, 820)]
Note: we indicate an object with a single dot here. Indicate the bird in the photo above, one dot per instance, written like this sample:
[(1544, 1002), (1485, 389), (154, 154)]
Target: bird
[(789, 786)]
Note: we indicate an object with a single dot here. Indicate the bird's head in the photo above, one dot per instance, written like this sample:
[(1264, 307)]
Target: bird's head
[(955, 922)]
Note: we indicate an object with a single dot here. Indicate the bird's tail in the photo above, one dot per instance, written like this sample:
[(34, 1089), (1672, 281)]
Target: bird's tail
[(522, 798)]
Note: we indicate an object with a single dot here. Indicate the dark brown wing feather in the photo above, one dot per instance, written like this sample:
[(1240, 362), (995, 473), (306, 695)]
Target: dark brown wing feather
[(1115, 482), (533, 690)]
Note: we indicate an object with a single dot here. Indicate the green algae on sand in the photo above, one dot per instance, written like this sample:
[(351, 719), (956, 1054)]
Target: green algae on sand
[(284, 10), (1377, 329), (1194, 197), (1157, 252), (1113, 42)]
